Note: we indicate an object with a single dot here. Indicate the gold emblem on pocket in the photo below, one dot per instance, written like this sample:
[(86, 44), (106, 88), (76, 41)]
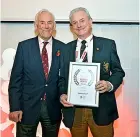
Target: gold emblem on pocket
[(106, 66)]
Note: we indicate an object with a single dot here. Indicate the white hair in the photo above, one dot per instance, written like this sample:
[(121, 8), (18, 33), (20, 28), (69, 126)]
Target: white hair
[(43, 10), (79, 9)]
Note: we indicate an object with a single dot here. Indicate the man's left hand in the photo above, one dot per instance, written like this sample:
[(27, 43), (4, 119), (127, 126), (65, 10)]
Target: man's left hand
[(103, 86)]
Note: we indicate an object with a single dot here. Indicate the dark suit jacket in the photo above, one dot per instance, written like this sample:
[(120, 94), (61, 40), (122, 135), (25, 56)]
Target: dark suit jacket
[(104, 52), (28, 83)]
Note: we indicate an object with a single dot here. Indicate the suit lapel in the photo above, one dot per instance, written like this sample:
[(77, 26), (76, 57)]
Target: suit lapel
[(73, 57), (37, 57), (96, 49), (54, 61)]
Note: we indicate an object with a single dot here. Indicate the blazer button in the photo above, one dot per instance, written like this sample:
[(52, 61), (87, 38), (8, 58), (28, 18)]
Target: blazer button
[(46, 85)]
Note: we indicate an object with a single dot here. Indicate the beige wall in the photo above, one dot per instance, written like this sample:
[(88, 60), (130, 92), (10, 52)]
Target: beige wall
[(100, 10)]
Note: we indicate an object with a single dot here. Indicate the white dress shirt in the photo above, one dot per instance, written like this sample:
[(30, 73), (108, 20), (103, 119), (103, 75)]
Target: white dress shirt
[(48, 48), (89, 46)]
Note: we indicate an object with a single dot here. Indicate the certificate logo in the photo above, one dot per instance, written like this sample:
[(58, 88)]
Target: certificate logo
[(83, 77)]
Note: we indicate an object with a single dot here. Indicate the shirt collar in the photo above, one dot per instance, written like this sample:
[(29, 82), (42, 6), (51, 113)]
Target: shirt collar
[(88, 39), (41, 40)]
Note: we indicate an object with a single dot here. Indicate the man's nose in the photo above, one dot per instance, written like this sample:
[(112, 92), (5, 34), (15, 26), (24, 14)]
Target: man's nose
[(46, 25), (78, 24)]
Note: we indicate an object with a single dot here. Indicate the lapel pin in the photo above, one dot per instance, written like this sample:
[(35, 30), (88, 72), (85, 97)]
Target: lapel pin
[(97, 49), (58, 53)]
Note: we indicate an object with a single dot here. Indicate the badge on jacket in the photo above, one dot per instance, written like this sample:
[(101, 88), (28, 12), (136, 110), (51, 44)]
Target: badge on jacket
[(58, 53), (106, 66)]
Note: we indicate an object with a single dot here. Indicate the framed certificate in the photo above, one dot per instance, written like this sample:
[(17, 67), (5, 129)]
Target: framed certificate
[(81, 84)]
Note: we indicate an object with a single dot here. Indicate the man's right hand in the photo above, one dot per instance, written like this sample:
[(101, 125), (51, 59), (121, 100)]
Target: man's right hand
[(63, 100), (15, 116)]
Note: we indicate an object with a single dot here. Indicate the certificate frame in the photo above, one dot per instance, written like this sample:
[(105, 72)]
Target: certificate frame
[(81, 84)]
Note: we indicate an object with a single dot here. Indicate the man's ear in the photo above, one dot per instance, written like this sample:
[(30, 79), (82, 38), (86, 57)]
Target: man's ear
[(91, 22), (71, 28), (35, 26), (54, 29), (54, 26)]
